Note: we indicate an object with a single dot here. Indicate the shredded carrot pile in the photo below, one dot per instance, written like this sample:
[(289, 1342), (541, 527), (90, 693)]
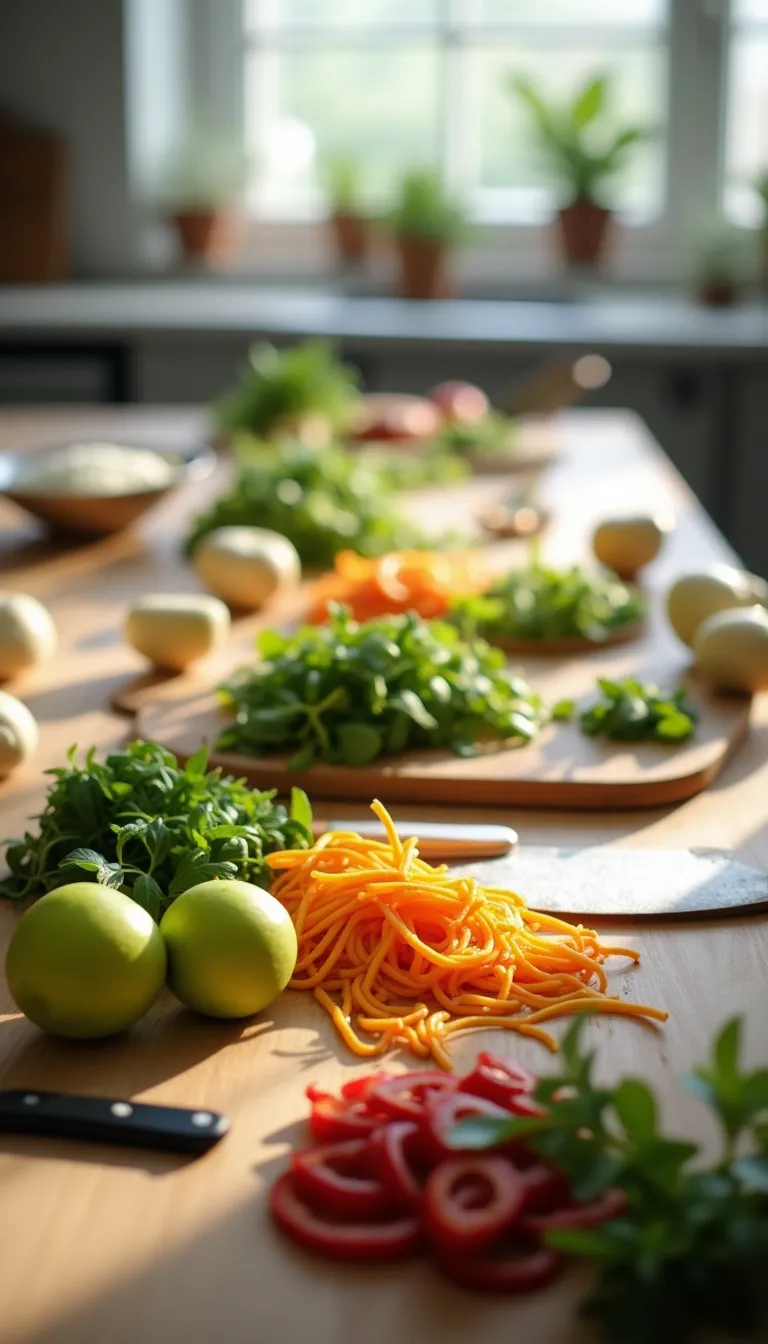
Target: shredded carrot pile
[(422, 581), (402, 953)]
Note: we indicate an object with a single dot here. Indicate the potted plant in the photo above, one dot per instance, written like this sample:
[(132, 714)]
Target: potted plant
[(584, 152), (426, 222), (723, 265), (349, 225), (201, 184)]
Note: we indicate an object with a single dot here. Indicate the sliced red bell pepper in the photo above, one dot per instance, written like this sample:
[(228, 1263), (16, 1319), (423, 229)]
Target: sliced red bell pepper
[(609, 1205), (361, 1240), (357, 1089), (390, 1147), (332, 1120), (545, 1188), (337, 1178), (515, 1272), (497, 1080), (470, 1201), (407, 1096), (444, 1114)]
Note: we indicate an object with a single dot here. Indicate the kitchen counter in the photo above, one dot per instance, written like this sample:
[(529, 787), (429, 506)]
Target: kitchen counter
[(109, 1246)]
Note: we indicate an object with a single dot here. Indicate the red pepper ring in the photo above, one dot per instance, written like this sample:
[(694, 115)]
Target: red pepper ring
[(470, 1201), (514, 1273), (445, 1113), (407, 1096), (388, 1148), (357, 1089), (546, 1188), (499, 1081), (334, 1121), (609, 1205), (337, 1178), (366, 1241)]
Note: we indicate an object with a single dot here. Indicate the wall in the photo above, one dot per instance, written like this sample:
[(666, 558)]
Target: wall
[(62, 69)]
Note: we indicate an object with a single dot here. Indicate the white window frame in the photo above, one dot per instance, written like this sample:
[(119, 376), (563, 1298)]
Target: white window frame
[(652, 251)]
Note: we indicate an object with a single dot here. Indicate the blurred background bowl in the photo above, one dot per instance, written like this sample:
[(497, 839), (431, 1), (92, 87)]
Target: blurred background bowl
[(102, 514)]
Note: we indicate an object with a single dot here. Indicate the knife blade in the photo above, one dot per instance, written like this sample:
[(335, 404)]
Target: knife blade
[(438, 840), (66, 1115)]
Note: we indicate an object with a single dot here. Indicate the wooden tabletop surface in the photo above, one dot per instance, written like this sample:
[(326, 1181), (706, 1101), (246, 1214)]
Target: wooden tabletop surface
[(112, 1247)]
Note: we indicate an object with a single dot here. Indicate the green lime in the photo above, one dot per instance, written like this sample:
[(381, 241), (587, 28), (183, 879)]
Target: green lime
[(85, 961), (231, 948)]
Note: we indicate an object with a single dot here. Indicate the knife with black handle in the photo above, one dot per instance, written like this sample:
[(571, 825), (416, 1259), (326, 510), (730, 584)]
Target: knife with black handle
[(64, 1115)]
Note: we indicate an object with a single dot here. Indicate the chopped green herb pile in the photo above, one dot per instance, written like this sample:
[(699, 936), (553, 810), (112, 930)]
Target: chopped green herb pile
[(632, 711), (347, 692), (541, 603), (690, 1253), (495, 433), (324, 500), (278, 385), (140, 822)]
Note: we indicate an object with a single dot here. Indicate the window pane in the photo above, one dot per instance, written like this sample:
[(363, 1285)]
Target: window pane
[(750, 10), (338, 13), (508, 153), (377, 105), (747, 134), (570, 12)]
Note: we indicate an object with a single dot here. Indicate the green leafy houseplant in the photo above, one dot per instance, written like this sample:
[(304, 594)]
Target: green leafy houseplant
[(584, 153), (688, 1255), (199, 186), (347, 693), (141, 822), (280, 389), (426, 222), (343, 184)]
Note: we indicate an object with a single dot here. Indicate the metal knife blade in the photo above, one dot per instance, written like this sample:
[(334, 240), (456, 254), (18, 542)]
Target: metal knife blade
[(438, 840), (66, 1115)]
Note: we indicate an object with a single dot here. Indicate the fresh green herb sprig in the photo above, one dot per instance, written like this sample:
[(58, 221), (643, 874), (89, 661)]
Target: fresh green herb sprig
[(347, 692), (280, 384), (634, 711), (542, 603), (141, 822), (324, 500), (691, 1249)]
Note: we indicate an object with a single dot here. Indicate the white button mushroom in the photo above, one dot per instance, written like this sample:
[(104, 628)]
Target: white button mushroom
[(18, 733), (27, 633), (247, 565), (173, 630), (696, 596), (731, 649)]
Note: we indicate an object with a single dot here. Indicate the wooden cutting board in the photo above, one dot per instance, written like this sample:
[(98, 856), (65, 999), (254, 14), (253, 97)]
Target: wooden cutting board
[(602, 882), (562, 768)]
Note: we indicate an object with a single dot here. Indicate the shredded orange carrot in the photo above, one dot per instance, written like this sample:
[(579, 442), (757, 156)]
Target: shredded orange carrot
[(409, 954), (420, 581)]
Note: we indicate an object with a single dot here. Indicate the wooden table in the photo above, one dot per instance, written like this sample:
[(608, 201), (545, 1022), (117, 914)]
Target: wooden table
[(111, 1247)]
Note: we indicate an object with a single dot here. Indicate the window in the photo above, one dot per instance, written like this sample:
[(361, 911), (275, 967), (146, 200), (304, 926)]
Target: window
[(401, 83), (747, 117)]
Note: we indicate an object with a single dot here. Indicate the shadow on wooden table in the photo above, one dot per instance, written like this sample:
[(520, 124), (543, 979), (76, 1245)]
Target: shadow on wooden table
[(168, 1042)]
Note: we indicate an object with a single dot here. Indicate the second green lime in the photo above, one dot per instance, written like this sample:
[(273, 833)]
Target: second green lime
[(231, 948)]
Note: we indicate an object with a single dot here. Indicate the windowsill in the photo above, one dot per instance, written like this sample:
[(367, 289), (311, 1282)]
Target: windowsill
[(195, 309)]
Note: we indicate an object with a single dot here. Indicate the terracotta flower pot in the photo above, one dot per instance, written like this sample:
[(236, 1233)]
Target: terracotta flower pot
[(350, 235), (583, 229), (718, 293), (212, 235), (423, 272)]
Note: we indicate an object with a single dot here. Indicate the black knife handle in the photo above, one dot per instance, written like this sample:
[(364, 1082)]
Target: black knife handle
[(65, 1115)]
